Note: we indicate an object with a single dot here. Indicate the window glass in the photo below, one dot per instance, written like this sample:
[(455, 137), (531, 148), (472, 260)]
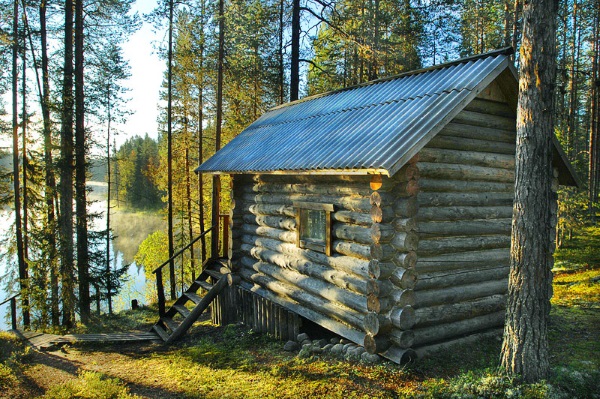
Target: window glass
[(313, 224)]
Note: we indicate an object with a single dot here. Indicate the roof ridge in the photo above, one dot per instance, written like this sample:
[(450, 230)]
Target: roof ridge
[(503, 51)]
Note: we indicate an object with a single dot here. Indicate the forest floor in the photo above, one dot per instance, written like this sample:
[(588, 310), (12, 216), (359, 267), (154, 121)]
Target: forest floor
[(233, 362)]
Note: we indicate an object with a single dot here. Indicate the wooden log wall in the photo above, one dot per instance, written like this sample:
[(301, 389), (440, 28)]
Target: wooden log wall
[(362, 292), (464, 223), (330, 291), (392, 277)]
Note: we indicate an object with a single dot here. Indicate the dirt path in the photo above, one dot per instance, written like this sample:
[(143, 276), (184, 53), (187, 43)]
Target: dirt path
[(126, 362)]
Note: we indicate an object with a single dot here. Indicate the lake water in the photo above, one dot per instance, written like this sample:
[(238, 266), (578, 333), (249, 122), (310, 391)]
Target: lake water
[(134, 287)]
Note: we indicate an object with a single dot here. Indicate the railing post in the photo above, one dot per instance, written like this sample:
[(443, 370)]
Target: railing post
[(13, 312), (160, 290), (225, 235)]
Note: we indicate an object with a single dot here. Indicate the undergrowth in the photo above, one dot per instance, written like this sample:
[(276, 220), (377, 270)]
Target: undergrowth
[(12, 357), (140, 319), (577, 271), (90, 385)]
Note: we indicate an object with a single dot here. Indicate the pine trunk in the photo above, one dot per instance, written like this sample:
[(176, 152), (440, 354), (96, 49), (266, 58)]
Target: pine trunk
[(24, 125), (190, 226), (200, 144), (594, 148), (66, 175), (23, 272), (281, 66), (200, 176), (216, 190), (515, 27), (295, 62), (108, 178), (50, 179), (525, 346), (170, 155), (80, 171), (573, 98)]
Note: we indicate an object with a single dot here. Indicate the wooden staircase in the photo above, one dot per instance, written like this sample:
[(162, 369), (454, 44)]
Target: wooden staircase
[(188, 308)]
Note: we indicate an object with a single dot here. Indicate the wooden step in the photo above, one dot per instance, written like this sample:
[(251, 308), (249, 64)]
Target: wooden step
[(169, 322), (205, 285), (219, 265), (161, 332), (182, 310), (214, 273), (193, 297)]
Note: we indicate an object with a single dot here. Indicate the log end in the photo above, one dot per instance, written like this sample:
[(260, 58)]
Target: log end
[(376, 344), (399, 355), (403, 318), (376, 214), (373, 304), (374, 269), (233, 279), (371, 324)]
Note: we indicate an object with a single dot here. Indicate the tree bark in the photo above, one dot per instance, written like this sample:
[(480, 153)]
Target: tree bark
[(216, 183), (23, 272), (108, 175), (515, 27), (66, 174), (50, 179), (281, 66), (170, 154), (200, 141), (594, 152), (525, 345), (188, 187), (80, 171), (24, 125), (295, 62), (573, 83)]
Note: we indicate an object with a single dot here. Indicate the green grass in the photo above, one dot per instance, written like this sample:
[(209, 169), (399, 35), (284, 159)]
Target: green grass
[(581, 252), (234, 362), (577, 271), (140, 319), (12, 356), (90, 385)]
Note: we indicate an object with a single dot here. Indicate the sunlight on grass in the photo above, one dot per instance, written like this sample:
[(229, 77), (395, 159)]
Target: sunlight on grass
[(577, 271), (580, 289), (12, 356), (582, 252), (90, 385)]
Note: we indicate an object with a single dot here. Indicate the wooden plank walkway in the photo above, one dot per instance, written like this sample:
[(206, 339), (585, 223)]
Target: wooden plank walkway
[(44, 342)]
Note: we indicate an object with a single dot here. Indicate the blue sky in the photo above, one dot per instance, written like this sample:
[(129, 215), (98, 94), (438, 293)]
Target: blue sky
[(146, 76)]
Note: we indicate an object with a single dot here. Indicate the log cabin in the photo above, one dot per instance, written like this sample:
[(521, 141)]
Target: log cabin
[(381, 212)]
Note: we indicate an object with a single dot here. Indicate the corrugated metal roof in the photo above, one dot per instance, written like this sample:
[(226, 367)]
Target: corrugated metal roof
[(372, 128)]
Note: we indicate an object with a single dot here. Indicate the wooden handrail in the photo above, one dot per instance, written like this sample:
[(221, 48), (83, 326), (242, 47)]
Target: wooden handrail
[(8, 299), (195, 240), (160, 291), (13, 310)]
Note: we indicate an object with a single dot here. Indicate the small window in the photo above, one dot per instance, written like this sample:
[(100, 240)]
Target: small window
[(314, 226)]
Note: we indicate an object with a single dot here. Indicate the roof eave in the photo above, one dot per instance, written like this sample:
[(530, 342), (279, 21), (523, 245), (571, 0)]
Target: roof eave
[(567, 176), (368, 171)]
